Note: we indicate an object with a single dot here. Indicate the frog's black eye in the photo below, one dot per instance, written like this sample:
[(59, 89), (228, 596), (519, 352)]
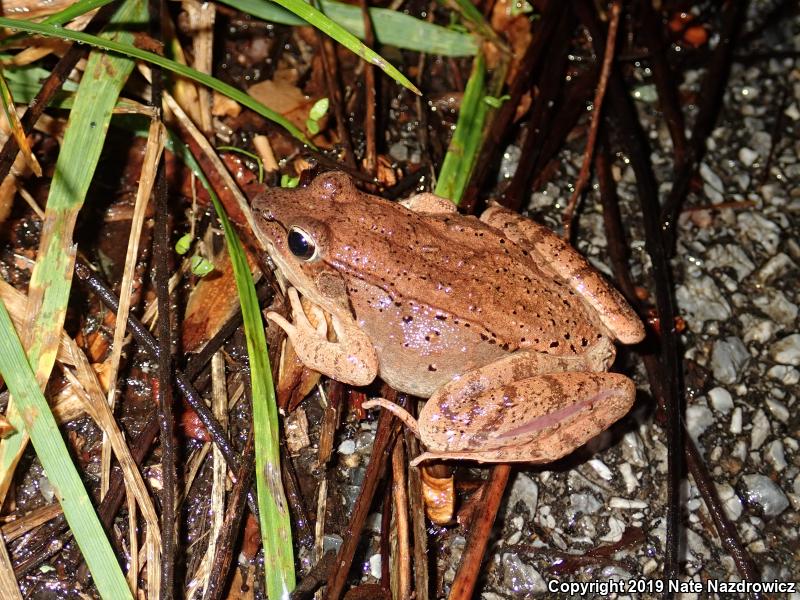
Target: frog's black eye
[(301, 244)]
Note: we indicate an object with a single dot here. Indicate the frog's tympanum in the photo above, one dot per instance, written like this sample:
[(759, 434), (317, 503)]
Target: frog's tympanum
[(505, 327)]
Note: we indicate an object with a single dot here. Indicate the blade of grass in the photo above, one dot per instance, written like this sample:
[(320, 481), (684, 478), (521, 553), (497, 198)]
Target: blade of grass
[(318, 19), (465, 143), (391, 27), (14, 124), (55, 458), (73, 11), (52, 275), (276, 533), (128, 49)]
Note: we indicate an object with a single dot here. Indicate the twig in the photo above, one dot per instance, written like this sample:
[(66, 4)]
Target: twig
[(543, 30), (652, 37), (711, 94), (330, 66), (418, 528), (370, 153), (550, 84), (184, 385), (400, 497), (384, 438), (597, 105), (470, 567), (230, 532), (623, 120)]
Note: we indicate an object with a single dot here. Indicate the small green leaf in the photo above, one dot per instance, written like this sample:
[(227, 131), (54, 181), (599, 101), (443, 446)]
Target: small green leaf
[(201, 266), (312, 127), (496, 102), (319, 109), (520, 7), (182, 245), (287, 181)]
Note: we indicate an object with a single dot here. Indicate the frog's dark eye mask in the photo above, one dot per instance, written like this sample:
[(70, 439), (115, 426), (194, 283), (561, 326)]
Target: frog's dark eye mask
[(301, 244)]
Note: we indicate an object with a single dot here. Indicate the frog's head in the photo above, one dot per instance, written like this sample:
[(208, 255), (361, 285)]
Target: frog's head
[(294, 225)]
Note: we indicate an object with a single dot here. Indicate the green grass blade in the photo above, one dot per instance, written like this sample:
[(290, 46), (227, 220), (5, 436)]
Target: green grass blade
[(345, 38), (128, 49), (391, 27), (465, 143), (73, 11), (274, 520), (57, 464)]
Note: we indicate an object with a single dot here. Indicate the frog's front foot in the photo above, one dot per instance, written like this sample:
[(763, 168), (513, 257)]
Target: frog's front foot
[(351, 359)]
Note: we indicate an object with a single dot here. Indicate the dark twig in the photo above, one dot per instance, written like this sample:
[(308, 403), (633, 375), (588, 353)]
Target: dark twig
[(166, 417), (612, 219), (221, 567), (387, 430), (184, 385), (330, 65), (617, 253), (470, 567), (597, 111), (540, 121), (711, 94), (623, 120), (370, 151), (418, 530), (652, 37)]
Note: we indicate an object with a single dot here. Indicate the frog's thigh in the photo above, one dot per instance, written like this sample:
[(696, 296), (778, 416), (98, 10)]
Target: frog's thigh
[(429, 203), (568, 264), (536, 420), (515, 367)]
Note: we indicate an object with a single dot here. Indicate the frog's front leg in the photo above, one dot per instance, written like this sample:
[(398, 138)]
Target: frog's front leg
[(526, 407), (352, 359)]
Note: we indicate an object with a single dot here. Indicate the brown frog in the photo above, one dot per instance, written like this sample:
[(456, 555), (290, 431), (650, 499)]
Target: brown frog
[(506, 328)]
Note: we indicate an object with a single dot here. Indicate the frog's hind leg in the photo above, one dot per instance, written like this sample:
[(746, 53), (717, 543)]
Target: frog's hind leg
[(614, 313), (397, 411)]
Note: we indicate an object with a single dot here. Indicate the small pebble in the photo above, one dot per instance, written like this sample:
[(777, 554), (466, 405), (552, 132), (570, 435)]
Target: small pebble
[(760, 431), (721, 400), (730, 501), (736, 421), (784, 374), (747, 156), (601, 469), (778, 409), (627, 504), (787, 350), (777, 306), (728, 359), (375, 566), (775, 455), (698, 419), (760, 490), (347, 447)]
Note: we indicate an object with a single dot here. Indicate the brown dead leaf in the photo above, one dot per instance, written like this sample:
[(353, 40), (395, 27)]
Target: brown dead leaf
[(212, 302), (516, 29), (286, 99)]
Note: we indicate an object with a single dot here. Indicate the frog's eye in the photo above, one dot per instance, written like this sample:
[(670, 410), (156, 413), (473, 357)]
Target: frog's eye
[(301, 244)]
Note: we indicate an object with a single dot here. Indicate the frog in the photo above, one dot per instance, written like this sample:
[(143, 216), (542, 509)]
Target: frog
[(506, 329)]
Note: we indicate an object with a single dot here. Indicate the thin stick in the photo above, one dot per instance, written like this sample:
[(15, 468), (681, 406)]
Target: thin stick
[(583, 176), (384, 437), (400, 497), (370, 154), (470, 567)]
